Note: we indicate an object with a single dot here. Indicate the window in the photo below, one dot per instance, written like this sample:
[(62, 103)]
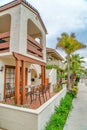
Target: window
[(10, 80)]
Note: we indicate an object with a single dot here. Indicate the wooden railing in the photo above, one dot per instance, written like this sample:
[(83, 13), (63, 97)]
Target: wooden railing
[(4, 45), (33, 47)]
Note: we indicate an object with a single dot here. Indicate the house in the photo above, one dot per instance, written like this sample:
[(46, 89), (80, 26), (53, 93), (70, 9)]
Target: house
[(54, 58), (22, 48)]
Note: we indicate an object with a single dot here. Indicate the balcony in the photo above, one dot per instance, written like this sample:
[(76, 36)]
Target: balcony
[(34, 48), (4, 42)]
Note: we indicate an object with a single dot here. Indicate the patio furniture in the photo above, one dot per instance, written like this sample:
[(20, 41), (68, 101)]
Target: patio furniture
[(29, 92), (39, 92), (9, 91), (48, 88)]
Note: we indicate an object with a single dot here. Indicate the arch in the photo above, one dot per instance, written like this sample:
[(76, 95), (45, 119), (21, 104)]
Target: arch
[(5, 23), (33, 30)]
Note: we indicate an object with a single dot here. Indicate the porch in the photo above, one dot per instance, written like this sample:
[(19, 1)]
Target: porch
[(17, 73), (31, 105), (28, 118)]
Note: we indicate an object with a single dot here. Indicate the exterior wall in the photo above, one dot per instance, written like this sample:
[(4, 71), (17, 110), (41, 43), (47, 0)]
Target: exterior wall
[(18, 34), (1, 81), (52, 76), (4, 62), (15, 27), (37, 69), (57, 62), (25, 15), (17, 118)]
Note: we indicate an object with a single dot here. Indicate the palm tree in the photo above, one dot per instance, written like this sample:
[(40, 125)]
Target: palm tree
[(76, 67), (69, 44)]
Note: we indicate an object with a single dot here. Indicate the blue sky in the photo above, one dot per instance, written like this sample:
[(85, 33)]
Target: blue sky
[(62, 16)]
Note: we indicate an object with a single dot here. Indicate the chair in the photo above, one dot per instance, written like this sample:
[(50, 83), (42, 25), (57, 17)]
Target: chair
[(48, 88), (30, 91), (40, 92), (8, 91)]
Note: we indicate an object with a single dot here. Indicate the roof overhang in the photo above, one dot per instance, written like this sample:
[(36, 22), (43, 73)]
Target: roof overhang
[(54, 53)]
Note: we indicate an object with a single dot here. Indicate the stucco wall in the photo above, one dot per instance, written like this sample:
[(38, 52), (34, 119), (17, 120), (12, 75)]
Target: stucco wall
[(3, 62), (51, 74), (1, 81), (17, 118), (57, 62), (18, 31)]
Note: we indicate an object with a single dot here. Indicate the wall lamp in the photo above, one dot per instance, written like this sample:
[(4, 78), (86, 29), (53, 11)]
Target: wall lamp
[(2, 68), (29, 70)]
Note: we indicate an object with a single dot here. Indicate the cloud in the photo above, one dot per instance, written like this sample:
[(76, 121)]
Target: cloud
[(62, 16), (2, 2)]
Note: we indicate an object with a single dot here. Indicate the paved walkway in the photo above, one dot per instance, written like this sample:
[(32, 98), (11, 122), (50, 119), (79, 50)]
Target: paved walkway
[(77, 119)]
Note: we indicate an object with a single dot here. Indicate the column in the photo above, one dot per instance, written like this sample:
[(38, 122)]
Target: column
[(42, 74), (23, 100), (17, 82)]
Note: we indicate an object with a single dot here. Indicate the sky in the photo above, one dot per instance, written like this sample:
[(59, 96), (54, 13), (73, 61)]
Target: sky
[(62, 16)]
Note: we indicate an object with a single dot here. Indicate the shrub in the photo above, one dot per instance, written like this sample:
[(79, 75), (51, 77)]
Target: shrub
[(58, 119), (57, 88), (73, 91)]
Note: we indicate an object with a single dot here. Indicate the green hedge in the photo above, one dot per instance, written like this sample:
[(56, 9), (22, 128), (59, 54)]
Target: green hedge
[(58, 119)]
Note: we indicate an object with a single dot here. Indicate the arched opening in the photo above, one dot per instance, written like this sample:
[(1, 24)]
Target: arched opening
[(5, 25), (33, 30), (34, 37)]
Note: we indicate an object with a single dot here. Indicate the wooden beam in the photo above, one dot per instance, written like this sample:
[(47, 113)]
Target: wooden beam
[(23, 82), (17, 83), (27, 59), (4, 35), (42, 74)]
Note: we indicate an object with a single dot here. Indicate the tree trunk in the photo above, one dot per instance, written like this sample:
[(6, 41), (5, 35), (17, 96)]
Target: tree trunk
[(73, 78), (68, 61)]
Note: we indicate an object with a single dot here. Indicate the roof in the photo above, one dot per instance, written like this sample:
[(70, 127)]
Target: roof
[(54, 53), (27, 5)]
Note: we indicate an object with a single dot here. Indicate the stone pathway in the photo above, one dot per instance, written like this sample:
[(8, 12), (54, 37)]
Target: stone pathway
[(77, 119)]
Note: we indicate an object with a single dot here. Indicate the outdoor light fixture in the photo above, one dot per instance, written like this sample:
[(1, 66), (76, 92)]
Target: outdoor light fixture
[(2, 68), (29, 70)]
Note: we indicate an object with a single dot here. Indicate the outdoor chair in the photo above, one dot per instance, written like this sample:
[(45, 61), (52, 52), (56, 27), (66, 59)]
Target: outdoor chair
[(30, 91), (48, 88), (9, 91), (40, 92)]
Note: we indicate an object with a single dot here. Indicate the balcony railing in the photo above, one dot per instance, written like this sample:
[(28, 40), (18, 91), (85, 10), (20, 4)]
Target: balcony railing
[(4, 44), (33, 47)]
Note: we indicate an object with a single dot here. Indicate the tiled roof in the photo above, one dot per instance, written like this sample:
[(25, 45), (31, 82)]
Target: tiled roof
[(53, 51)]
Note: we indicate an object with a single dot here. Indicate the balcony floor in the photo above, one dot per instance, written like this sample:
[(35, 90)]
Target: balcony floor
[(35, 103)]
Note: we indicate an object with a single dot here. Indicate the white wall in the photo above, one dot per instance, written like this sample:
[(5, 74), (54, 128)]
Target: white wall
[(18, 40), (17, 118), (1, 81), (3, 62), (52, 76)]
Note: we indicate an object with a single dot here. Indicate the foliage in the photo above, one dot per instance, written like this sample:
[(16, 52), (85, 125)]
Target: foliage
[(76, 68), (76, 62), (58, 119), (73, 91), (57, 88), (55, 67), (69, 44)]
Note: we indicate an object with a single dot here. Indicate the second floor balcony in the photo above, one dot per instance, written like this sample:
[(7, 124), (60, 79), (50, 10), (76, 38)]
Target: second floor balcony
[(33, 47)]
